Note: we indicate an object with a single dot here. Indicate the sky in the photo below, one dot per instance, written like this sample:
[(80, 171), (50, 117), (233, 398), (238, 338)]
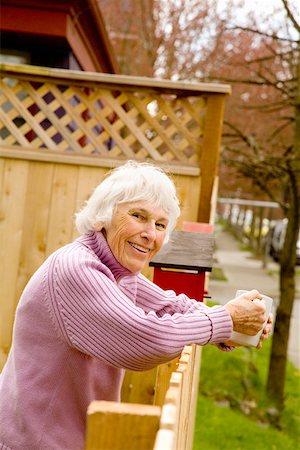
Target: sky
[(261, 6), (263, 11)]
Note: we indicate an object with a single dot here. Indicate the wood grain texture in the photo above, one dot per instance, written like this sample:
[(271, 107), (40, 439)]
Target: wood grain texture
[(121, 426), (186, 251)]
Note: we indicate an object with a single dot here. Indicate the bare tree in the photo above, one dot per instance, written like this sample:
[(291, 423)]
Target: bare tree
[(134, 33), (268, 150)]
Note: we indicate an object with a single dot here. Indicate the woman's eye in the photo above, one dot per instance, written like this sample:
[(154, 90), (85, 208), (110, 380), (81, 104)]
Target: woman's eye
[(161, 226), (138, 216)]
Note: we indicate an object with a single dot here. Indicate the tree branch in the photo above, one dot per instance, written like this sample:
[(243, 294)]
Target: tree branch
[(260, 33), (291, 15)]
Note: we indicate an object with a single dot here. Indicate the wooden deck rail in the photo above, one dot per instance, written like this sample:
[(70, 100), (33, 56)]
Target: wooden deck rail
[(170, 426)]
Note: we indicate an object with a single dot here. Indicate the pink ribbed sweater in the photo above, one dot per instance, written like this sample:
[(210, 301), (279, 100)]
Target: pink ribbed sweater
[(82, 320)]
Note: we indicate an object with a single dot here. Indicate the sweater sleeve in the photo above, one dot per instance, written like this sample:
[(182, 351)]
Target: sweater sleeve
[(152, 298), (98, 319)]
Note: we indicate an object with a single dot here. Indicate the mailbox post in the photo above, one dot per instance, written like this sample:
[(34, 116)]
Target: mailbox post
[(181, 264)]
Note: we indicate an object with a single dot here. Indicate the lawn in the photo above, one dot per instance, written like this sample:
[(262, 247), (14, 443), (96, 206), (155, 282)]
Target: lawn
[(233, 410)]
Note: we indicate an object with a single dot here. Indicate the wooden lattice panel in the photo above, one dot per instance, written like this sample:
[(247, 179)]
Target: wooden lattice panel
[(101, 121)]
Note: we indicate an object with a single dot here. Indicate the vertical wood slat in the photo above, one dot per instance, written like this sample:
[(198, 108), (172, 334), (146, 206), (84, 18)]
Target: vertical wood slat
[(188, 191), (179, 408), (12, 213), (62, 206), (193, 397), (166, 438), (185, 369), (162, 382), (210, 153), (121, 426), (189, 366), (35, 227), (139, 387)]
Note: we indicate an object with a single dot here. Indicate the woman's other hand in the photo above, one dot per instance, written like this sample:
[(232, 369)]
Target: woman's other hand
[(266, 331), (247, 312)]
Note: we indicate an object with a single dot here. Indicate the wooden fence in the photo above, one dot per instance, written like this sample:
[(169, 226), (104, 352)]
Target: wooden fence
[(166, 424)]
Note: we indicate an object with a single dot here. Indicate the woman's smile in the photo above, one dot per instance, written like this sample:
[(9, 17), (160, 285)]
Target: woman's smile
[(139, 247)]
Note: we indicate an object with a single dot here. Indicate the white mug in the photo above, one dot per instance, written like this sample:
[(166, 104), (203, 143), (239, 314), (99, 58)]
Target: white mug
[(252, 341)]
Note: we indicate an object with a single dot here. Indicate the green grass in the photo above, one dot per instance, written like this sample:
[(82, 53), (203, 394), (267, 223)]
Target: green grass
[(234, 412), (217, 274)]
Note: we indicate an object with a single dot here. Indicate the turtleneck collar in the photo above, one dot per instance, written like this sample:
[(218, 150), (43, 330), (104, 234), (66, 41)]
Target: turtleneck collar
[(98, 244)]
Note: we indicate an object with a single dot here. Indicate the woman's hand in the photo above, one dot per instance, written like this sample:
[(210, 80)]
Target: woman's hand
[(266, 331), (265, 334), (247, 313)]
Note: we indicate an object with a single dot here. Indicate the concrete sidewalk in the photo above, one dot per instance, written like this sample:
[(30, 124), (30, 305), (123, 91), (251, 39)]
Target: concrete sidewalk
[(243, 271)]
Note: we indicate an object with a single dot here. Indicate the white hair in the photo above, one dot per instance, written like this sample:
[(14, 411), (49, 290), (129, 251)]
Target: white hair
[(130, 182)]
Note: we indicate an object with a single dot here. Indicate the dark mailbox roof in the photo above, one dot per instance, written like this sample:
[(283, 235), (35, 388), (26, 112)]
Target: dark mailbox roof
[(186, 251)]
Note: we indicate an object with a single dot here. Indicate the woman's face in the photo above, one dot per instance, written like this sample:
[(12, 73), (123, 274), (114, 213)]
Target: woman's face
[(136, 233)]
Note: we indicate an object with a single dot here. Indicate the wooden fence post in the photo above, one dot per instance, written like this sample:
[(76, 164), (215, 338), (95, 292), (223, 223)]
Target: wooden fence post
[(121, 426), (210, 153)]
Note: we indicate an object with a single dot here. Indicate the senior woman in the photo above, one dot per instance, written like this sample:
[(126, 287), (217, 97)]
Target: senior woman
[(88, 314)]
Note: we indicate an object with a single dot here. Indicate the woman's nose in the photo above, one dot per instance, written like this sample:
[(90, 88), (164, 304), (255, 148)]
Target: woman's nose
[(149, 231)]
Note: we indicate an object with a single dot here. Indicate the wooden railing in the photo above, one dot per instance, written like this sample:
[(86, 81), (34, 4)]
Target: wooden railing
[(167, 424), (250, 221)]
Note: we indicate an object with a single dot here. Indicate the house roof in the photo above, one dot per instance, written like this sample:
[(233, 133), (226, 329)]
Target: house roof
[(76, 23)]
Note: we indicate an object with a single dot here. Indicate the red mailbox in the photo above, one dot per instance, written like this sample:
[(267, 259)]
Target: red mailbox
[(181, 264)]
